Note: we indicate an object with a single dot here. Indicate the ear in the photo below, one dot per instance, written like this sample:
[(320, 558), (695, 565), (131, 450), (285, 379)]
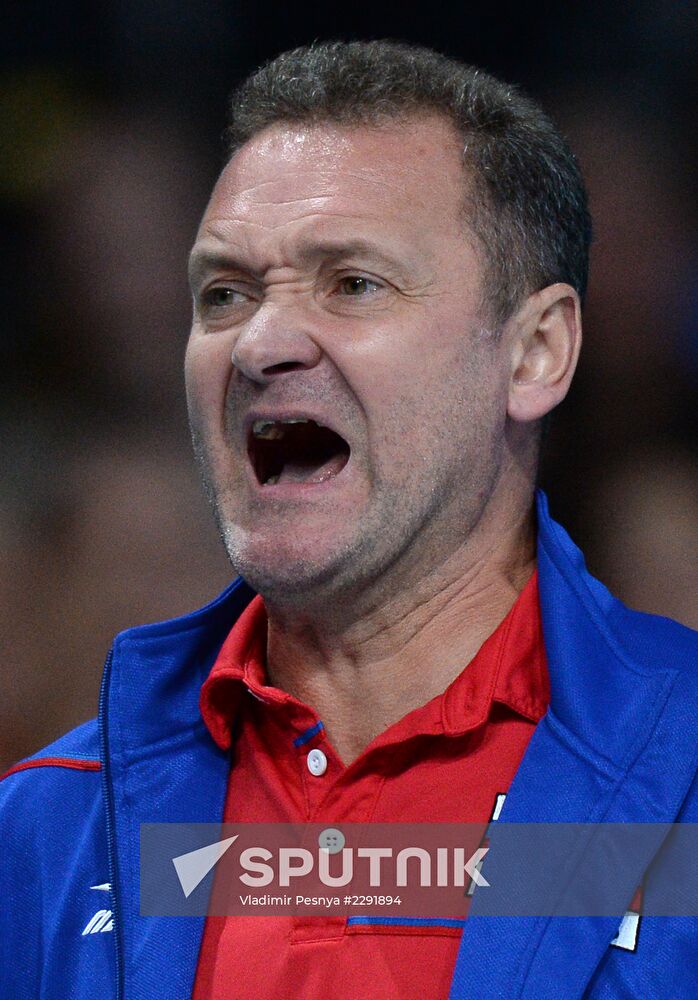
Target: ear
[(546, 335)]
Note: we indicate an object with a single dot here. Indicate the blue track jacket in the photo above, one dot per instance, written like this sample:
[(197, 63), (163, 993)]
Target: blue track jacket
[(619, 743)]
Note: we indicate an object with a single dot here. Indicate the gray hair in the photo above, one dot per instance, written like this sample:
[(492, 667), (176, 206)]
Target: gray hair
[(525, 199)]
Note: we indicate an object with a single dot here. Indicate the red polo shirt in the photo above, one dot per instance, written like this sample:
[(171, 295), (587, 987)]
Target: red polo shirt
[(443, 762)]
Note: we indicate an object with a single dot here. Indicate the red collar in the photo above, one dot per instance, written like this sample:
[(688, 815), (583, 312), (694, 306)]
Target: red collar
[(509, 668)]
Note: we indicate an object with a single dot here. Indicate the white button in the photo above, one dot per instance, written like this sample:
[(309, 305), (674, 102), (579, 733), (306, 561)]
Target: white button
[(331, 840), (317, 762)]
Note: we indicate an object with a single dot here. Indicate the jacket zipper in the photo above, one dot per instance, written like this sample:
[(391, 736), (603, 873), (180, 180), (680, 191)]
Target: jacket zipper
[(110, 821)]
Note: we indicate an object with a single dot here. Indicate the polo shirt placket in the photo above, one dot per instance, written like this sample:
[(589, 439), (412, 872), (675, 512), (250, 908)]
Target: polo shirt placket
[(446, 761)]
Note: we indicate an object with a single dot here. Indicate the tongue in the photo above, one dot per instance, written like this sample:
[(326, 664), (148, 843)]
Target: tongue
[(298, 472)]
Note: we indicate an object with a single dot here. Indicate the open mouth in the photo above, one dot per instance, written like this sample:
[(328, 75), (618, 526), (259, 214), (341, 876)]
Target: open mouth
[(295, 451)]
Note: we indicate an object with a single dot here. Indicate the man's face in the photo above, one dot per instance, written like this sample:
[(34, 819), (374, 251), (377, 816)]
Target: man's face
[(335, 281)]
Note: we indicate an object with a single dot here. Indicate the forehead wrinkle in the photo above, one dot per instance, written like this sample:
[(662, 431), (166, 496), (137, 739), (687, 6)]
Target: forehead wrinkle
[(244, 204), (225, 228), (381, 176)]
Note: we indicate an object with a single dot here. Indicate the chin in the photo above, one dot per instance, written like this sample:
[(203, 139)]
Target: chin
[(286, 569)]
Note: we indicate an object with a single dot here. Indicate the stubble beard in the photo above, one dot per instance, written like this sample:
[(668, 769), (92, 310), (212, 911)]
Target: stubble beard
[(363, 571)]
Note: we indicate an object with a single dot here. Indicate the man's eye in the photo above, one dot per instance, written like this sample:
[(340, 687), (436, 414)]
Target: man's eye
[(221, 296), (357, 286)]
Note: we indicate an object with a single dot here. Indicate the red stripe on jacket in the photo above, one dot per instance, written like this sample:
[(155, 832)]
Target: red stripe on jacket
[(77, 765)]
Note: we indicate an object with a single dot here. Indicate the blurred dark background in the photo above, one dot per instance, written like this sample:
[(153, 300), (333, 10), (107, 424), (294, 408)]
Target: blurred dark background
[(110, 121)]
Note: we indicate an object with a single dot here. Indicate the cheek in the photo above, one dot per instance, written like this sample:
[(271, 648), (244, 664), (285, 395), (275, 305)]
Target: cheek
[(207, 369)]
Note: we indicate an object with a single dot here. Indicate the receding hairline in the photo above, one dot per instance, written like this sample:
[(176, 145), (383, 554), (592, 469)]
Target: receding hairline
[(395, 120), (410, 120)]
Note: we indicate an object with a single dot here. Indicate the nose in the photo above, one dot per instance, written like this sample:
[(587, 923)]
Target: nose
[(275, 341)]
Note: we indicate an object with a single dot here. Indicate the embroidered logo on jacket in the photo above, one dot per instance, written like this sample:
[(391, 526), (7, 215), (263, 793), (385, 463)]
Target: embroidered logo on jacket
[(102, 920)]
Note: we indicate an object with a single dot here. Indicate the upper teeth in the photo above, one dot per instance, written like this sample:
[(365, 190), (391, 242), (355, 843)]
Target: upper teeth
[(267, 429), (272, 430)]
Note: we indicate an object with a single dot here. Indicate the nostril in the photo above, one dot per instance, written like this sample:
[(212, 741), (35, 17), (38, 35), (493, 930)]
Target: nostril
[(285, 366)]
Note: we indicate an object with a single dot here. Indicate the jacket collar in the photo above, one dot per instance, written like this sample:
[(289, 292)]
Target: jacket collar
[(619, 711), (619, 708)]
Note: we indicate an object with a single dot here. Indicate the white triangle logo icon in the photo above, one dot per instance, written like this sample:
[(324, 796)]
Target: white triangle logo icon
[(193, 867)]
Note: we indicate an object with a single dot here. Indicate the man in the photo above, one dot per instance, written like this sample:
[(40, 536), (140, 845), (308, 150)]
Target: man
[(387, 284)]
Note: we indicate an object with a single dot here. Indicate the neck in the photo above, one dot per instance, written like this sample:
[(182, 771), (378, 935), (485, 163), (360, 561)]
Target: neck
[(363, 673)]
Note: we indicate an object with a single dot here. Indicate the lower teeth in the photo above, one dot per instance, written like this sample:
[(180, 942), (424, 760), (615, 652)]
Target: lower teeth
[(272, 480)]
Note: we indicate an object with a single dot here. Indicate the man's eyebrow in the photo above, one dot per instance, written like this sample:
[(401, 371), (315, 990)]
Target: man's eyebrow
[(201, 262), (334, 249), (399, 263)]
